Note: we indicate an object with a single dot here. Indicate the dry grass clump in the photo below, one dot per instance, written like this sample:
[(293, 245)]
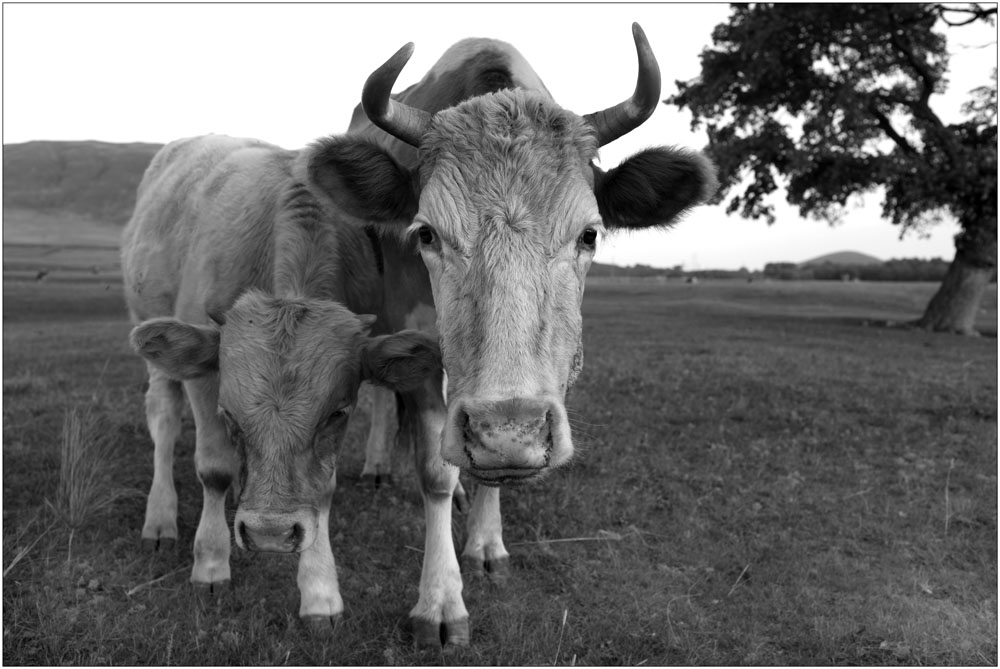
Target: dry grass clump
[(87, 483)]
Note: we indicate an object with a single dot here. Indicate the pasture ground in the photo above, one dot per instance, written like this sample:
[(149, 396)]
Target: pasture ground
[(767, 474)]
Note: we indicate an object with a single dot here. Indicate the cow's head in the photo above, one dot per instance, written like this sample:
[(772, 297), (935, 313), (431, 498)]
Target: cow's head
[(288, 372), (508, 210)]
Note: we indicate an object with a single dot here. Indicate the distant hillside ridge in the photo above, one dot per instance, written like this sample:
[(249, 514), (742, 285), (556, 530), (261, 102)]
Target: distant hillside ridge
[(843, 258), (94, 179)]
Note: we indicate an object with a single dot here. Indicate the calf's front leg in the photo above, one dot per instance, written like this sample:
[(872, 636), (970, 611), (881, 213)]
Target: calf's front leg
[(164, 402), (217, 464), (321, 606)]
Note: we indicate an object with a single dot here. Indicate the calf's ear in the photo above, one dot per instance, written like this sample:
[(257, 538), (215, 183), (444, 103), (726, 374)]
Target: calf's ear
[(362, 179), (401, 361), (653, 187), (182, 350)]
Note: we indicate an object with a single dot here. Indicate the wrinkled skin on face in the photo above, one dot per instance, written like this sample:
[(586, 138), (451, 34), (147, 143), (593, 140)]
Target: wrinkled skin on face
[(507, 246), (509, 212)]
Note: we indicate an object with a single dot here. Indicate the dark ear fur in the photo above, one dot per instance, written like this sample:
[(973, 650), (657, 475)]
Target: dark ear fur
[(362, 178), (182, 350), (400, 361), (653, 187)]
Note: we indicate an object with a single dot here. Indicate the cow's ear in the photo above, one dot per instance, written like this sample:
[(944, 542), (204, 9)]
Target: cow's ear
[(401, 361), (363, 179), (653, 188), (182, 350)]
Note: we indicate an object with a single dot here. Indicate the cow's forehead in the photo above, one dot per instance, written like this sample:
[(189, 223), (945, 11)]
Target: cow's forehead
[(289, 326), (511, 125), (285, 360), (510, 157)]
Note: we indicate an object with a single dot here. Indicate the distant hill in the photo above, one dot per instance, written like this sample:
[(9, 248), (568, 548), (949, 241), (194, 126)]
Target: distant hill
[(95, 180), (842, 258)]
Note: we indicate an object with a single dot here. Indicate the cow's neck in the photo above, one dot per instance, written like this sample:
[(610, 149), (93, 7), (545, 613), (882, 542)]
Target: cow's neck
[(305, 259), (317, 256)]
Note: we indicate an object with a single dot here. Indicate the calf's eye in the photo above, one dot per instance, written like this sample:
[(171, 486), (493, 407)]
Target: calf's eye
[(335, 418), (588, 239)]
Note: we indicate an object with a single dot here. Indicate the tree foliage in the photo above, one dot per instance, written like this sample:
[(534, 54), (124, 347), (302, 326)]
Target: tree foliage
[(828, 101)]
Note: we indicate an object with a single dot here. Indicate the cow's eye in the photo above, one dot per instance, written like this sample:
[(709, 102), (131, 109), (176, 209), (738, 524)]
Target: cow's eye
[(425, 234), (588, 239)]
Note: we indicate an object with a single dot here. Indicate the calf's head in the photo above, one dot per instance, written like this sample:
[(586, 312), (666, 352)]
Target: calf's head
[(507, 209), (288, 373)]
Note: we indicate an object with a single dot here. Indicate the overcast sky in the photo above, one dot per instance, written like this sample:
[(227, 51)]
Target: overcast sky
[(292, 73)]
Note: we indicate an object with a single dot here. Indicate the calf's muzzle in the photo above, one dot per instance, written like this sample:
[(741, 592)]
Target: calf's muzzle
[(270, 533)]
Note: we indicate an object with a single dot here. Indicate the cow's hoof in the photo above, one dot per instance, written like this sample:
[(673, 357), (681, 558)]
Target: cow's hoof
[(429, 634), (212, 590), (375, 481), (321, 626), (161, 545), (496, 569)]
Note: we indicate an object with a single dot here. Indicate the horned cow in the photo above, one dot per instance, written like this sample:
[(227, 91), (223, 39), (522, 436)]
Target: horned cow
[(501, 208), (488, 209)]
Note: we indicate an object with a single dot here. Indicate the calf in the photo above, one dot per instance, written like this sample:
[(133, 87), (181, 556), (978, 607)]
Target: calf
[(244, 285)]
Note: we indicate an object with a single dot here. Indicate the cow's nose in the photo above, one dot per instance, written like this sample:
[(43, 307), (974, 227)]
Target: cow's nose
[(270, 537), (508, 439)]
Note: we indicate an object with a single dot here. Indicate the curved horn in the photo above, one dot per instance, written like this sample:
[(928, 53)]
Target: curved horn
[(626, 116), (399, 120)]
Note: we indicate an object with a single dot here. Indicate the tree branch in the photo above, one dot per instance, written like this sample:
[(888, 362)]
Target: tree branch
[(977, 12), (927, 78), (921, 108), (886, 125)]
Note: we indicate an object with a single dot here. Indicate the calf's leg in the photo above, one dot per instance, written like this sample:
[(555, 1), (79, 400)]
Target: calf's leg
[(321, 605), (164, 401), (217, 464)]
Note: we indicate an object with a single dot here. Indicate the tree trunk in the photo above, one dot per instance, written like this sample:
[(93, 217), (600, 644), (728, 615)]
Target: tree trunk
[(956, 303)]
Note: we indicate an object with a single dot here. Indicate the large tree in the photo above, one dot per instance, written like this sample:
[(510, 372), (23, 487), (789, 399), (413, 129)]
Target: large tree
[(828, 101)]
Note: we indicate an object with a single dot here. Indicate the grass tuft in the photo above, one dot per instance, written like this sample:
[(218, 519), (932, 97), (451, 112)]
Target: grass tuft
[(87, 487)]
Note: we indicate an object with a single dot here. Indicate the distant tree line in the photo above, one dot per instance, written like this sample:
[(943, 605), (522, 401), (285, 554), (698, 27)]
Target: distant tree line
[(897, 269)]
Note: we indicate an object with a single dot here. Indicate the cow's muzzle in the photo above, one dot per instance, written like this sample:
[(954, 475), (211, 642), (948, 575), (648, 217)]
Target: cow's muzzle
[(507, 442)]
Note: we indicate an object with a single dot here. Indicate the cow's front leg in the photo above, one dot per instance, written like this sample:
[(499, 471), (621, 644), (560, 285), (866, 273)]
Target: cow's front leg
[(377, 470), (440, 615), (217, 464), (164, 402), (321, 605), (484, 551)]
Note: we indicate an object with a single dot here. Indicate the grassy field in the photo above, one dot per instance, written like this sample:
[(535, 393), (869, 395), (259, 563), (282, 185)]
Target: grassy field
[(767, 474)]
